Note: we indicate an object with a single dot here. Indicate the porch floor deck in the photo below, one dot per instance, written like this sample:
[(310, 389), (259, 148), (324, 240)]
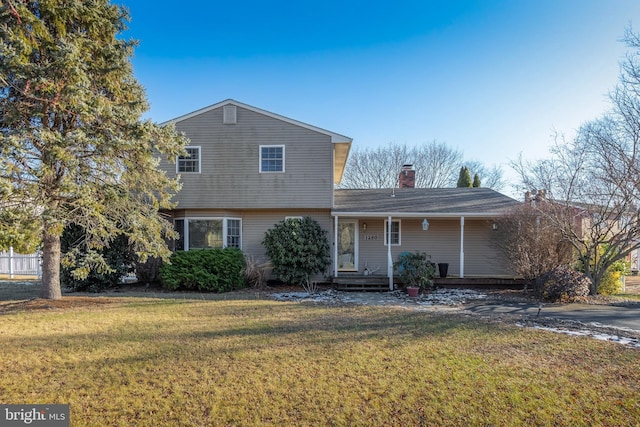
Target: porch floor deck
[(377, 283)]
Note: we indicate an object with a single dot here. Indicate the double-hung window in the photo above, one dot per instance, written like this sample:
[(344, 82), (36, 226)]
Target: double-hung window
[(395, 232), (271, 158), (233, 233), (208, 233), (189, 163)]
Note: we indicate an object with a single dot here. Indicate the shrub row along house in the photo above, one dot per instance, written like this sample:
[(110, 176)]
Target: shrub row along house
[(247, 169)]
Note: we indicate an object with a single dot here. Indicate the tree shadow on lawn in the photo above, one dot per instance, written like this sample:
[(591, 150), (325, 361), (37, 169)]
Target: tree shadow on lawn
[(234, 326), (16, 295)]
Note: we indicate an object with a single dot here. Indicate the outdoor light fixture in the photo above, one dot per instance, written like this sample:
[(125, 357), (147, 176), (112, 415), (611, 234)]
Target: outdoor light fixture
[(364, 226), (425, 225), (494, 226)]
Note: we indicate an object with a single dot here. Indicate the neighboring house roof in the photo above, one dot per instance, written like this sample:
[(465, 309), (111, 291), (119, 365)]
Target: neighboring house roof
[(434, 202), (341, 143)]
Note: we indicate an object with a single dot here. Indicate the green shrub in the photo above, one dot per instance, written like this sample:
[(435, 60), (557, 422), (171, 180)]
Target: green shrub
[(213, 270), (415, 269), (148, 272), (298, 249), (99, 269)]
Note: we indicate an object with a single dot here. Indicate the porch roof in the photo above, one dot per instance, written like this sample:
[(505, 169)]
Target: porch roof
[(434, 202)]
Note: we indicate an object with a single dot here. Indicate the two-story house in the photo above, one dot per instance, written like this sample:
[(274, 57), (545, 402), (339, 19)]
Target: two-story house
[(248, 169)]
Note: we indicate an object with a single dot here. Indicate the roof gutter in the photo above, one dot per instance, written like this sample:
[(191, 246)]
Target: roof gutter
[(419, 214)]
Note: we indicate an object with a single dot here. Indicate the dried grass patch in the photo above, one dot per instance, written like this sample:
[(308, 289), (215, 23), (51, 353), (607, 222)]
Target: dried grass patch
[(150, 362)]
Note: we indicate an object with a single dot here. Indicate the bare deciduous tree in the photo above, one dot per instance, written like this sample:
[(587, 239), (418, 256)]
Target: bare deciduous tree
[(531, 244), (593, 181), (436, 164), (491, 177)]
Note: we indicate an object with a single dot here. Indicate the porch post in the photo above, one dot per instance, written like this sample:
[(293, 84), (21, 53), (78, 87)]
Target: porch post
[(335, 246), (461, 247), (389, 258)]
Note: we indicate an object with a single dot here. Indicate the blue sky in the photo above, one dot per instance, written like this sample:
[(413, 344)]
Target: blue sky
[(493, 78)]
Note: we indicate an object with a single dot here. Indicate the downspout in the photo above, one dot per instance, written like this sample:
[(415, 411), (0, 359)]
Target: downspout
[(389, 258), (335, 246), (461, 247)]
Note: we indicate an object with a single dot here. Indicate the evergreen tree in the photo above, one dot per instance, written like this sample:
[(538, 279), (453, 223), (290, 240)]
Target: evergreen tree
[(476, 181), (464, 180), (74, 148)]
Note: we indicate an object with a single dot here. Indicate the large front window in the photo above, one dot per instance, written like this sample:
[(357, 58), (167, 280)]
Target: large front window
[(201, 233), (205, 233)]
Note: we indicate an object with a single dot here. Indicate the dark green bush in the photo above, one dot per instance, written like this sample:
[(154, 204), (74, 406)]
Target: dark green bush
[(298, 249), (212, 270), (117, 259), (415, 269), (148, 272)]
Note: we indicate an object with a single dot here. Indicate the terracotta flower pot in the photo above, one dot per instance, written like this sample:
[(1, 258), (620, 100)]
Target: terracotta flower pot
[(413, 291)]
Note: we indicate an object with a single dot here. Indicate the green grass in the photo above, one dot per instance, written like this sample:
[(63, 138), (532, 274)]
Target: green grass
[(152, 362), (629, 296)]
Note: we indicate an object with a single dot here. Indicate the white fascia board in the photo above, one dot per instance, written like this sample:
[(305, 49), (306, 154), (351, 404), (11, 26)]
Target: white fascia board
[(336, 138), (417, 214)]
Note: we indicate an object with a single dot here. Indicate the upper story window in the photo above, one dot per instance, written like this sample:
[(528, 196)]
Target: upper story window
[(189, 163), (395, 232), (272, 158)]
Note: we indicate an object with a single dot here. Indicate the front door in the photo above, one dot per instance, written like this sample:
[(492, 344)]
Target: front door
[(347, 246)]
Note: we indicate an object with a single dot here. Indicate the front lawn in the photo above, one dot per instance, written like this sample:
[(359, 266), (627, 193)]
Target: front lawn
[(152, 362)]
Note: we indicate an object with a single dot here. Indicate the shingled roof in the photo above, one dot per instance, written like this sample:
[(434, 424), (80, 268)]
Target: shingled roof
[(438, 202)]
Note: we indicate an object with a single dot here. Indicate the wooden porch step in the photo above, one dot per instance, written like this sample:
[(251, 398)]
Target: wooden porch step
[(361, 283)]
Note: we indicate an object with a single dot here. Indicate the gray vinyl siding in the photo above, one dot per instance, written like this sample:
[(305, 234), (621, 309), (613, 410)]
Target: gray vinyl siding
[(255, 224), (481, 258), (441, 242), (230, 177)]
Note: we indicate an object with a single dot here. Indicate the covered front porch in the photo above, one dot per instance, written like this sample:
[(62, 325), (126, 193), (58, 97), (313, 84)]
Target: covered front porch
[(454, 226), (362, 248)]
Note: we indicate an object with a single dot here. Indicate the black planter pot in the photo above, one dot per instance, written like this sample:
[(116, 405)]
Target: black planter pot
[(443, 268)]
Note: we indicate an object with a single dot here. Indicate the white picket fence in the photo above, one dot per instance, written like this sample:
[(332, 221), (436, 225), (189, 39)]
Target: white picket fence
[(15, 264)]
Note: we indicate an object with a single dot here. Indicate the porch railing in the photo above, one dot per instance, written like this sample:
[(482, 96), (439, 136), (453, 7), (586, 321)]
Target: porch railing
[(15, 264)]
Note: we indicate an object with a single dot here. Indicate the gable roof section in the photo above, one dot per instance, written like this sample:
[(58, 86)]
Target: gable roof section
[(341, 143), (434, 202)]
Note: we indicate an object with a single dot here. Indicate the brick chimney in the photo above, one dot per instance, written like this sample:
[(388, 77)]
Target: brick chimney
[(407, 178), (535, 196)]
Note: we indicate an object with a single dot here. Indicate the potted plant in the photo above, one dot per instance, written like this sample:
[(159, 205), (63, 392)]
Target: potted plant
[(415, 270)]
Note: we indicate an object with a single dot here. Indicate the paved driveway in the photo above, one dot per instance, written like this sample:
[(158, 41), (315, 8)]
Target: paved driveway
[(605, 315)]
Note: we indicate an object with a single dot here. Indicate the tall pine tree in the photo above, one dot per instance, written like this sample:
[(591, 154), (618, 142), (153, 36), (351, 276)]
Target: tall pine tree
[(73, 145)]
